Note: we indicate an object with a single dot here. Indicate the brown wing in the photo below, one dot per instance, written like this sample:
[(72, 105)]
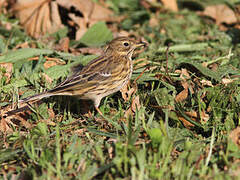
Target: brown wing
[(97, 71)]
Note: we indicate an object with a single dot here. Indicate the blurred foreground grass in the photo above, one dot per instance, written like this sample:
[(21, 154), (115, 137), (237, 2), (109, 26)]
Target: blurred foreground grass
[(171, 135)]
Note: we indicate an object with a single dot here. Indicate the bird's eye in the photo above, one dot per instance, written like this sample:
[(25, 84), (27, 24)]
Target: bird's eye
[(126, 44)]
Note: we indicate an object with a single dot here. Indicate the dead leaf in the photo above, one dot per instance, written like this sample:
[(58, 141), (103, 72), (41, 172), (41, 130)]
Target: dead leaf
[(127, 93), (170, 4), (182, 95), (91, 13), (153, 22), (63, 44), (185, 122), (221, 13), (22, 45), (8, 122), (135, 104), (206, 83), (193, 115), (8, 70), (227, 81), (235, 136), (38, 17), (204, 116), (184, 74)]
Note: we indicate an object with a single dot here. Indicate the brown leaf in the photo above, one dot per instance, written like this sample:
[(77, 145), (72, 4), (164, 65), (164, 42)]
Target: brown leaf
[(193, 115), (227, 81), (91, 11), (63, 44), (8, 70), (7, 122), (235, 136), (170, 4), (182, 95), (38, 17), (184, 74), (185, 122), (126, 93), (22, 45), (135, 104), (206, 83), (153, 21), (221, 13)]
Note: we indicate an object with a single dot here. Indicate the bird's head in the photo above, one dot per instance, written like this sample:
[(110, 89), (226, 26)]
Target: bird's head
[(123, 46)]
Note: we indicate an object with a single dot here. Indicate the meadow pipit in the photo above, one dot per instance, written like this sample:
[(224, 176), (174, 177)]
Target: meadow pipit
[(101, 77)]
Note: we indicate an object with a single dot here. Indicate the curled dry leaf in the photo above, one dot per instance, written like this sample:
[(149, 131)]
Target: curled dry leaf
[(134, 106), (184, 75), (4, 125), (38, 17), (153, 22), (8, 70), (195, 116), (91, 13), (221, 13), (63, 44), (7, 122), (206, 83), (182, 95), (235, 136), (227, 81), (126, 94), (170, 4)]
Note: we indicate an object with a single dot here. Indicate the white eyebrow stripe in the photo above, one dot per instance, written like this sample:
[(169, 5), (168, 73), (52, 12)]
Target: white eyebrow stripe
[(105, 74)]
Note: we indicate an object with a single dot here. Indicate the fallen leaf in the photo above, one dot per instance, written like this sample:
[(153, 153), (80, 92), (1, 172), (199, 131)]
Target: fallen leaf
[(185, 122), (193, 115), (38, 17), (91, 13), (8, 67), (63, 44), (22, 45), (7, 123), (204, 116), (126, 94), (135, 104), (170, 4), (221, 13), (153, 22), (235, 136), (227, 81), (206, 83), (184, 74), (182, 95)]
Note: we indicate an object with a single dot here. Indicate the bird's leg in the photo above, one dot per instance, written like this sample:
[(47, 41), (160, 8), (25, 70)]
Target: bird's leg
[(98, 110)]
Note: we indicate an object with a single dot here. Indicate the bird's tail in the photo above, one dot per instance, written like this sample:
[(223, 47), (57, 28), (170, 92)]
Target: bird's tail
[(36, 97)]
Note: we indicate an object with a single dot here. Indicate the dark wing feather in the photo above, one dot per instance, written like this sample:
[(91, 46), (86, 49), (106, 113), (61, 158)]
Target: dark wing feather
[(90, 76)]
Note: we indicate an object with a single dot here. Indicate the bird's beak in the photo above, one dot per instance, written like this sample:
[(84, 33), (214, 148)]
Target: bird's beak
[(140, 44)]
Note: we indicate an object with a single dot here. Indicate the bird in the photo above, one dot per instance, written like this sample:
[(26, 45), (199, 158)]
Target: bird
[(101, 77)]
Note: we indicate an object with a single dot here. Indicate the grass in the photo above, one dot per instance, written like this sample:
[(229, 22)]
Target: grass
[(165, 138)]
